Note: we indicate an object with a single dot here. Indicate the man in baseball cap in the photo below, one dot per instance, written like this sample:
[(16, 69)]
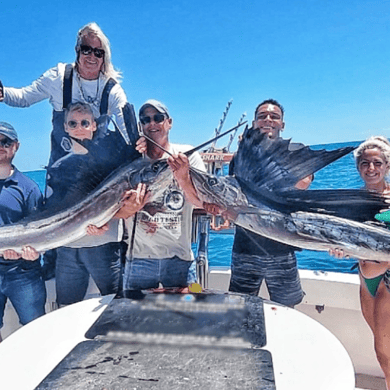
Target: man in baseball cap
[(159, 245), (20, 272), (160, 107), (7, 130)]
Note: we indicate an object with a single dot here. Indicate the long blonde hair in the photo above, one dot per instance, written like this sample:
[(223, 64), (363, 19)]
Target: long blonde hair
[(94, 29)]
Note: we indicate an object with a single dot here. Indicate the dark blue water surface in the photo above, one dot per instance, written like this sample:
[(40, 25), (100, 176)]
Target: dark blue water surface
[(340, 174)]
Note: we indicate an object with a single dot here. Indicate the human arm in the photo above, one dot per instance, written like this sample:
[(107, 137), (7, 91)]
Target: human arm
[(117, 101), (49, 85)]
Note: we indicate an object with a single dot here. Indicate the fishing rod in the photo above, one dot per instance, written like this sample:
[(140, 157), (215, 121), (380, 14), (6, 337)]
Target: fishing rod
[(221, 122), (189, 152), (234, 134)]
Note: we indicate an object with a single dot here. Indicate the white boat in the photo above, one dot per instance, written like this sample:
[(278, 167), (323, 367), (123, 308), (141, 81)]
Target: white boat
[(332, 299)]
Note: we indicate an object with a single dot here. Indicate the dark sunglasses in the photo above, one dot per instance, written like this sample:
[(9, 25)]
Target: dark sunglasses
[(6, 143), (87, 50), (157, 118), (84, 123)]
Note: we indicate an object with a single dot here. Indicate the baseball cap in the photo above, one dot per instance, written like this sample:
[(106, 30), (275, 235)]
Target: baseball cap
[(160, 107), (7, 130)]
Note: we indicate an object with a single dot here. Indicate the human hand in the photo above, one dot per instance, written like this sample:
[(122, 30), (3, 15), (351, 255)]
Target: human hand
[(180, 166), (93, 230), (337, 253), (10, 254), (304, 183), (141, 145), (212, 208), (150, 227), (133, 201), (28, 253)]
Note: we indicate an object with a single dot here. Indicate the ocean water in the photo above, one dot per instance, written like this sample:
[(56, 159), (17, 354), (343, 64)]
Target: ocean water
[(340, 174)]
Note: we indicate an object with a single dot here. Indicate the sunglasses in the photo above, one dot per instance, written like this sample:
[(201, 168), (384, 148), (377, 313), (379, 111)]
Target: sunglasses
[(87, 50), (157, 118), (6, 143), (84, 123)]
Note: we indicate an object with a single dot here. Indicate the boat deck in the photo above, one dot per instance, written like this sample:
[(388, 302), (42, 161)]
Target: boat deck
[(331, 299), (368, 382)]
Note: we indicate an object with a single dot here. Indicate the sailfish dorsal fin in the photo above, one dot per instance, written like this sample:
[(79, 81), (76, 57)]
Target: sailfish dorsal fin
[(278, 164)]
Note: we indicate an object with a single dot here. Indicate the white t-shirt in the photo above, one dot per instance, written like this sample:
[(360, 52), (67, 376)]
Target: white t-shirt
[(166, 233)]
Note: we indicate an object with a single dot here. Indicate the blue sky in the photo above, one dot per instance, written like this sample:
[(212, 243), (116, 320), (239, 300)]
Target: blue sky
[(327, 62)]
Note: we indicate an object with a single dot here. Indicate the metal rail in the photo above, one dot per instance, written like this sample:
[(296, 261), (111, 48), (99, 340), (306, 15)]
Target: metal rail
[(200, 235)]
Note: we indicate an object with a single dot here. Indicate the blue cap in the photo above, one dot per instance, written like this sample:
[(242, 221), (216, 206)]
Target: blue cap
[(160, 107), (7, 130)]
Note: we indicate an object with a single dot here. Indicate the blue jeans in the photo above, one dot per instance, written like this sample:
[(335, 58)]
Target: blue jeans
[(75, 265), (23, 285), (141, 274)]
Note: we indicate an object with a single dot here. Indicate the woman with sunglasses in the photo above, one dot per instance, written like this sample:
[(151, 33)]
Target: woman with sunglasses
[(373, 163), (92, 79)]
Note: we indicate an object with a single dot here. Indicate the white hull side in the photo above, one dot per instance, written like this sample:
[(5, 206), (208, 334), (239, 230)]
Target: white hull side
[(338, 294)]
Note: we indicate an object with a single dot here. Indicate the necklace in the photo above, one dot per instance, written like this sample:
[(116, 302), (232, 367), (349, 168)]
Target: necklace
[(89, 99)]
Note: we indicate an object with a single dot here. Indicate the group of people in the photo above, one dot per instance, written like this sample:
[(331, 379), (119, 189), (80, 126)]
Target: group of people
[(86, 96), (93, 120)]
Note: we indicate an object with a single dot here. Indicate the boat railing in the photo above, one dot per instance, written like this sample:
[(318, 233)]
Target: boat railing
[(200, 236)]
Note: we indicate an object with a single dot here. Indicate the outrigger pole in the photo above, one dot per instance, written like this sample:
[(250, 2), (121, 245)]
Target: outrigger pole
[(240, 121), (221, 122)]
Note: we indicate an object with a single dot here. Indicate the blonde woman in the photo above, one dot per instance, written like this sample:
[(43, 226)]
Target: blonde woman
[(373, 163)]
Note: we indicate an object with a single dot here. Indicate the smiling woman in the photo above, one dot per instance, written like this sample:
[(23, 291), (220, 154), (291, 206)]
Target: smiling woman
[(92, 82), (373, 163), (91, 79)]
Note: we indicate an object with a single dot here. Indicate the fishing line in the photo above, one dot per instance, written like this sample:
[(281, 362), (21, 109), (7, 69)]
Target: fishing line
[(189, 152)]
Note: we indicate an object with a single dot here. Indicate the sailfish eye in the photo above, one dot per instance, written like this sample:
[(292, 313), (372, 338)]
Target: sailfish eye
[(212, 181), (155, 167)]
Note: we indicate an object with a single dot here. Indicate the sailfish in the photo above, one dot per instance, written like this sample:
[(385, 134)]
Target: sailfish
[(261, 197)]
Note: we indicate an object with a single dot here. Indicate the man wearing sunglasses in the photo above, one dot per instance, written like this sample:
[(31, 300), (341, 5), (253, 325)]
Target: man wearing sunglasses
[(20, 273), (160, 239)]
